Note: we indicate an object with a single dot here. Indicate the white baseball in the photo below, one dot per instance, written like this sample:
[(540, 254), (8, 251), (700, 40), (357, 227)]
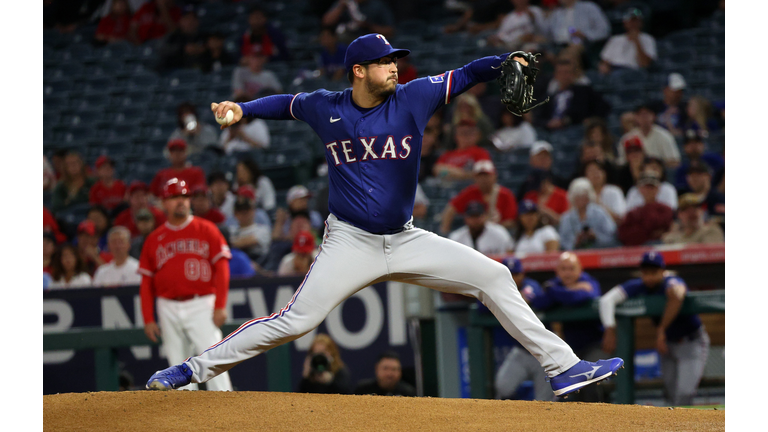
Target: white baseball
[(227, 119)]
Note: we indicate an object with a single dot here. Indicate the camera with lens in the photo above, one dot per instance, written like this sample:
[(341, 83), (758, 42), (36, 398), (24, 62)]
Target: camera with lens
[(319, 364)]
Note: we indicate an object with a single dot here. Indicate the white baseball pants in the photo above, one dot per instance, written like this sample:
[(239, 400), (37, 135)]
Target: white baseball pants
[(187, 328), (351, 259)]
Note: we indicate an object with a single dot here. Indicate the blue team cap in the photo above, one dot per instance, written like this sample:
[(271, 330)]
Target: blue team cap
[(652, 259), (527, 206), (515, 265), (370, 47)]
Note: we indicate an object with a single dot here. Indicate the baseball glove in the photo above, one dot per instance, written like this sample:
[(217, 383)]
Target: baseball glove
[(518, 74)]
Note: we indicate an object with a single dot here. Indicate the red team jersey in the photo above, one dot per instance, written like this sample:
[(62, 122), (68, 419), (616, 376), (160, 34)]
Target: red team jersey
[(109, 197), (463, 158), (506, 205), (557, 202), (194, 176), (180, 261)]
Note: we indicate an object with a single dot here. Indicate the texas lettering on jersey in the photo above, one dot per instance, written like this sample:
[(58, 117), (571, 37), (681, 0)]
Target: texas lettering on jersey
[(344, 151)]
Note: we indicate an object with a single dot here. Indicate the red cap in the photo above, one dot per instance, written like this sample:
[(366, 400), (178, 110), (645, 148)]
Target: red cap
[(303, 243), (633, 143), (103, 159), (246, 191), (175, 187), (87, 226), (137, 185), (177, 143)]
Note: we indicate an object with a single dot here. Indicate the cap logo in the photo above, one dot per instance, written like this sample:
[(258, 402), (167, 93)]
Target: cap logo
[(383, 38)]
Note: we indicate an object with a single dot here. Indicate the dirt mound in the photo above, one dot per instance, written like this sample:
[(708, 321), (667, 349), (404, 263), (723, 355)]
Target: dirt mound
[(240, 411)]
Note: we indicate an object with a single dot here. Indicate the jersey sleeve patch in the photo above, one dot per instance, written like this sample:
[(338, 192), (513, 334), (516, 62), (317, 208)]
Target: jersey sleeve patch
[(437, 79)]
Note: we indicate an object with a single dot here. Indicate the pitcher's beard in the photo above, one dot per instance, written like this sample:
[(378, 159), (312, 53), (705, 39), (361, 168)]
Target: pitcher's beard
[(381, 90)]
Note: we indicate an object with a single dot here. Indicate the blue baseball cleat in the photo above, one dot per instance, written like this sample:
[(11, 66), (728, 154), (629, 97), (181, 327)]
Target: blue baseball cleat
[(583, 374), (171, 378)]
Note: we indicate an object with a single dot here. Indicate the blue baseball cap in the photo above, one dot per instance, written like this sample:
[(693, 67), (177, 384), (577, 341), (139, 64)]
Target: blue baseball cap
[(370, 47), (515, 265), (527, 206), (652, 259)]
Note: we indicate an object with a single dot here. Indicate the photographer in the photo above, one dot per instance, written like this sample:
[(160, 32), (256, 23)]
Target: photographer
[(324, 372), (197, 134), (587, 224)]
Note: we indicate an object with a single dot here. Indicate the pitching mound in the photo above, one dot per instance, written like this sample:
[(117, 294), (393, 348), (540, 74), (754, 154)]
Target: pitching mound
[(233, 411)]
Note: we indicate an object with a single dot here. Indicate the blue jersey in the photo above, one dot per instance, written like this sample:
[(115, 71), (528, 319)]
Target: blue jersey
[(683, 325), (578, 334), (373, 154)]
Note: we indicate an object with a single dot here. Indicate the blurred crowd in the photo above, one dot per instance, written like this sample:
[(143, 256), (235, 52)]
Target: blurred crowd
[(655, 183)]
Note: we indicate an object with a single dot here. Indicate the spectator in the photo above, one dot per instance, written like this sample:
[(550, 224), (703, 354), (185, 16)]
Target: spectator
[(628, 121), (533, 236), (429, 150), (108, 191), (500, 201), (47, 279), (479, 233), (280, 247), (480, 16), (690, 227), (598, 143), (50, 226), (519, 365), (88, 247), (627, 174), (571, 103), (260, 216), (137, 200), (177, 155), (608, 196), (457, 164), (586, 225), (248, 172), (551, 200), (523, 28), (681, 339), (115, 26), (355, 18), (199, 136), (515, 132), (101, 222), (263, 37), (145, 224), (251, 80), (324, 371), (406, 71), (656, 141), (670, 110), (467, 109), (202, 208), (49, 249), (123, 269), (331, 56), (303, 253), (184, 47), (221, 196), (578, 23), (251, 237), (700, 116), (388, 378), (667, 193), (420, 204), (540, 159), (700, 183), (57, 163), (245, 135), (215, 56), (632, 50), (49, 175), (647, 223), (153, 20), (297, 199), (572, 286), (694, 149), (68, 269), (74, 187)]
